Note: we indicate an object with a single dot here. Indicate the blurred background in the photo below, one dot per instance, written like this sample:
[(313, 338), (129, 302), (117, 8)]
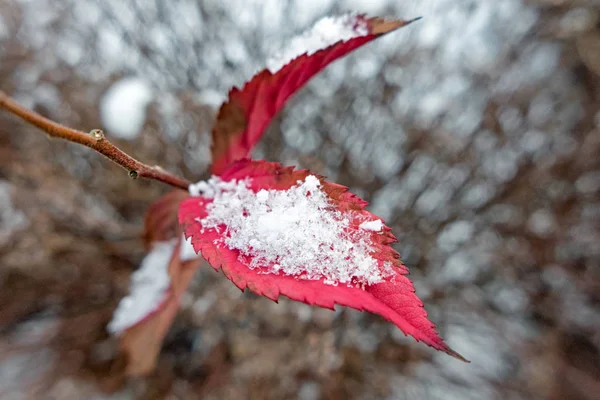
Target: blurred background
[(475, 133)]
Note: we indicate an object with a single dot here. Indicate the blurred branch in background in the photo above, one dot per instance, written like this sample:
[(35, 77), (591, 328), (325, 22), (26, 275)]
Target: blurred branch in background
[(475, 135)]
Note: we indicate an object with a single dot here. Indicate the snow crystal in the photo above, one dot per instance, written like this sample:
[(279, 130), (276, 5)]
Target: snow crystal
[(186, 251), (146, 290), (295, 232), (123, 107), (209, 189), (325, 32), (374, 226)]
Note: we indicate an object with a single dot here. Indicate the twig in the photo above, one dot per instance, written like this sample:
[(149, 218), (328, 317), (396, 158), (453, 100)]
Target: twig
[(95, 140)]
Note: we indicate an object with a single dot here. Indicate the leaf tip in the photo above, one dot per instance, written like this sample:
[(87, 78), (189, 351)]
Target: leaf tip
[(381, 26), (456, 355)]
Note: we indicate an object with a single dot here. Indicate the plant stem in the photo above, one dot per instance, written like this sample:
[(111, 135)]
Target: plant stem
[(94, 140)]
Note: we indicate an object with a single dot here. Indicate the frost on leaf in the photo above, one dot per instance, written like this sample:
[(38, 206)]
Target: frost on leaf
[(144, 316), (243, 119), (325, 32), (141, 339), (283, 232), (375, 225), (297, 232), (148, 287)]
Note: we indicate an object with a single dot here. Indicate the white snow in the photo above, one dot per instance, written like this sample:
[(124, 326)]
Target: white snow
[(325, 32), (147, 288), (296, 232), (452, 58), (375, 225), (123, 107), (186, 251)]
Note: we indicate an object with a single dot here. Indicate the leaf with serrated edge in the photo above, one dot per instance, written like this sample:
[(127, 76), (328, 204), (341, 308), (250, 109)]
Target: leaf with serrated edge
[(393, 299), (243, 119)]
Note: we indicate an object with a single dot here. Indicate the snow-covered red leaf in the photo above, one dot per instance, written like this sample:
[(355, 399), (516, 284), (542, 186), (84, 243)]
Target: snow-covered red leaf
[(243, 119), (283, 232), (145, 315)]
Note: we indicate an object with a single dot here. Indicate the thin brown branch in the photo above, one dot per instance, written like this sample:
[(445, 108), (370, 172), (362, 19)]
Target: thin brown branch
[(94, 140)]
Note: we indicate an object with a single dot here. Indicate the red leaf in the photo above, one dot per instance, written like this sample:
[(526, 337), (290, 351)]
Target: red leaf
[(142, 341), (243, 119), (160, 221), (393, 298)]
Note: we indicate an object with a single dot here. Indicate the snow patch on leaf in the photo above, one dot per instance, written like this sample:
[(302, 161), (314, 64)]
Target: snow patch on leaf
[(325, 32), (147, 289), (211, 188), (393, 298), (296, 232), (374, 226), (186, 251)]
